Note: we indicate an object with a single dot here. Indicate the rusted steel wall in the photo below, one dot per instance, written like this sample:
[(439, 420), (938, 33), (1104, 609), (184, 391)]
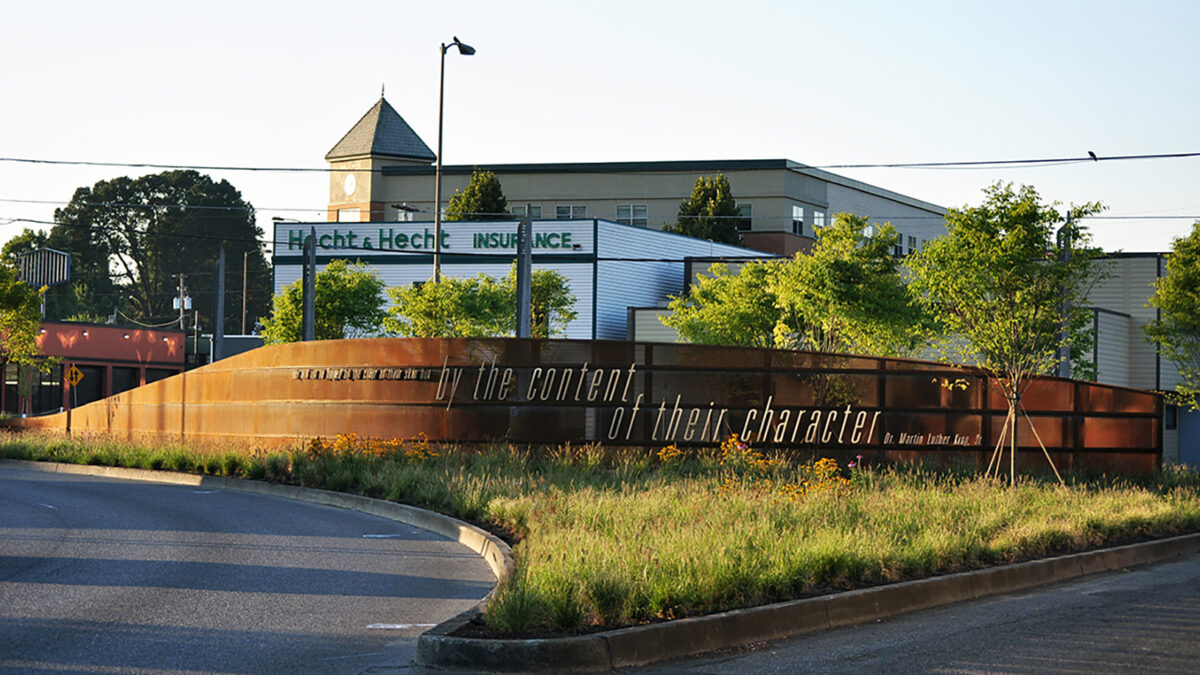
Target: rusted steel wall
[(625, 393)]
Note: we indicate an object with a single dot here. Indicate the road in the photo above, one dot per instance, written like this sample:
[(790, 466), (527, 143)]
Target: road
[(1145, 620), (104, 576)]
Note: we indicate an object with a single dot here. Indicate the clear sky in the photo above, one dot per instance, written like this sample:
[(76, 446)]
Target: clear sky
[(276, 84)]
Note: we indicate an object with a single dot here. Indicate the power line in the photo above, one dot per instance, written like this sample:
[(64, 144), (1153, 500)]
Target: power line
[(962, 164)]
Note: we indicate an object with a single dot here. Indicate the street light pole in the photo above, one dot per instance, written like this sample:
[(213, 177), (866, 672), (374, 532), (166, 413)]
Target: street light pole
[(465, 50)]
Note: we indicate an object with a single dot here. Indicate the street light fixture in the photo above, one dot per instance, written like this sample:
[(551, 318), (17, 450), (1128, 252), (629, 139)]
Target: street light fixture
[(465, 50)]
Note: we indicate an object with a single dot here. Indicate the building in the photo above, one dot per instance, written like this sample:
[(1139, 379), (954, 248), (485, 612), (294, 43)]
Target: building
[(109, 360), (383, 171), (609, 266), (1121, 310)]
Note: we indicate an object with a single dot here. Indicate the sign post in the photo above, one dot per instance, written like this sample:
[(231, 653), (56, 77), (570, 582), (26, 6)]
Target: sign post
[(72, 376)]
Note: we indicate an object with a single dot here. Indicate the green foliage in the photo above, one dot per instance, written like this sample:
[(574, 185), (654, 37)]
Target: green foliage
[(482, 199), (998, 288), (729, 308), (127, 237), (348, 303), (847, 296), (20, 321), (710, 212), (480, 306), (1177, 330)]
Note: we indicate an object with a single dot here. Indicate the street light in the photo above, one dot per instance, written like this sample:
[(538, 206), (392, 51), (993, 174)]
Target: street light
[(465, 50)]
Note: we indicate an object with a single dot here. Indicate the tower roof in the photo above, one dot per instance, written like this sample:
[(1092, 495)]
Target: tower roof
[(382, 131)]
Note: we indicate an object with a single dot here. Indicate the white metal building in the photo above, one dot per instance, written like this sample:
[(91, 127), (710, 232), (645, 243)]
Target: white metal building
[(609, 266)]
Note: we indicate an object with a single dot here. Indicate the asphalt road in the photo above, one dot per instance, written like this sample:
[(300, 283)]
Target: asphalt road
[(1145, 620), (105, 576)]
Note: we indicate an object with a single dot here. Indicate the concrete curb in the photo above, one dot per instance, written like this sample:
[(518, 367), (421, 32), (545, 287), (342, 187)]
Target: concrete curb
[(642, 645), (495, 552)]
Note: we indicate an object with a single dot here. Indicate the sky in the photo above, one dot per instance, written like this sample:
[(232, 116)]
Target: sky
[(277, 84)]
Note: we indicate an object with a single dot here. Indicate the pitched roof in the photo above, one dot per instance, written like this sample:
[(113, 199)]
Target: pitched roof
[(382, 131)]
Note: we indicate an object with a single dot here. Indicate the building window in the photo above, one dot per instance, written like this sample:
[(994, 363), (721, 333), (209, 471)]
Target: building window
[(571, 212), (1170, 416), (912, 243), (898, 249), (818, 219), (797, 219), (745, 215), (349, 215), (632, 214), (534, 211)]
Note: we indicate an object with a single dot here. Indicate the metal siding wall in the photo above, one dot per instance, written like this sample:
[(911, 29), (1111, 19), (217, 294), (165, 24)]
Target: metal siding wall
[(647, 327), (622, 284), (1112, 349)]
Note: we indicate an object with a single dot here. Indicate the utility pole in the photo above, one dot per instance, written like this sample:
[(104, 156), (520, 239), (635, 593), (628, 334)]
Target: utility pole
[(524, 274), (181, 302), (309, 287), (245, 266), (1064, 256), (218, 346)]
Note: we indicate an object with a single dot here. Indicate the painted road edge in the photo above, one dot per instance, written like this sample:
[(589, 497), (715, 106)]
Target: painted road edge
[(643, 645)]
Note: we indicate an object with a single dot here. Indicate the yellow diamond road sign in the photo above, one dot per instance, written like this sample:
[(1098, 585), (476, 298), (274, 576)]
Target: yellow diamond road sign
[(74, 375)]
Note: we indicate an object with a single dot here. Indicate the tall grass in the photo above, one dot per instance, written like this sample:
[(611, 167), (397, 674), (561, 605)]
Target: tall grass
[(609, 537)]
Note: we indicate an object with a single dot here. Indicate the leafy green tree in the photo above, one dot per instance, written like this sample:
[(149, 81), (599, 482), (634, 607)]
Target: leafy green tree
[(1001, 292), (710, 212), (846, 296), (128, 237), (729, 308), (348, 303), (480, 306), (1177, 330), (482, 199), (20, 321)]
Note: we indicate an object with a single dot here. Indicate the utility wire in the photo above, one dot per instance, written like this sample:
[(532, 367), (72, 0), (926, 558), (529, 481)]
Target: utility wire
[(1050, 161)]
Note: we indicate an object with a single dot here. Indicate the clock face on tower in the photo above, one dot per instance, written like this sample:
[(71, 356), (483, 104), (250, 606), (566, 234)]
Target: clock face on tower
[(350, 183)]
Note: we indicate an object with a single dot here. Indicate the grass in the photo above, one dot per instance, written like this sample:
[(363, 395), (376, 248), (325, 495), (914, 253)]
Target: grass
[(609, 537)]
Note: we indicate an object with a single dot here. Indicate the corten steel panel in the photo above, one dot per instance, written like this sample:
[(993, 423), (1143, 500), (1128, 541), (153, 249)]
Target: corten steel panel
[(623, 393)]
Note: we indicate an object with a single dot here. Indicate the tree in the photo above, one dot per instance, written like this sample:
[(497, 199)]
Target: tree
[(729, 308), (20, 321), (846, 296), (480, 306), (710, 212), (129, 238), (1177, 330), (482, 199), (1002, 293), (348, 303)]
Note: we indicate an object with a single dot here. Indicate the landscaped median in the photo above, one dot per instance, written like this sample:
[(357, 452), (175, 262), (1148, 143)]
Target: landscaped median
[(626, 539)]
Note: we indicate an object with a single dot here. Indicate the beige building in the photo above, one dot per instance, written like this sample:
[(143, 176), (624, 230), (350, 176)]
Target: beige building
[(383, 171)]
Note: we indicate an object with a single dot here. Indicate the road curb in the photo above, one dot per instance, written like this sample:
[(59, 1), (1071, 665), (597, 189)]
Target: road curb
[(643, 645)]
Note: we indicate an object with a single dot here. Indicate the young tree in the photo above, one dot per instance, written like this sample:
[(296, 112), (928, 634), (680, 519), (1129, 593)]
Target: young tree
[(20, 321), (480, 306), (348, 303), (1177, 330), (1002, 292), (128, 237), (729, 308), (482, 199), (848, 296), (710, 212)]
